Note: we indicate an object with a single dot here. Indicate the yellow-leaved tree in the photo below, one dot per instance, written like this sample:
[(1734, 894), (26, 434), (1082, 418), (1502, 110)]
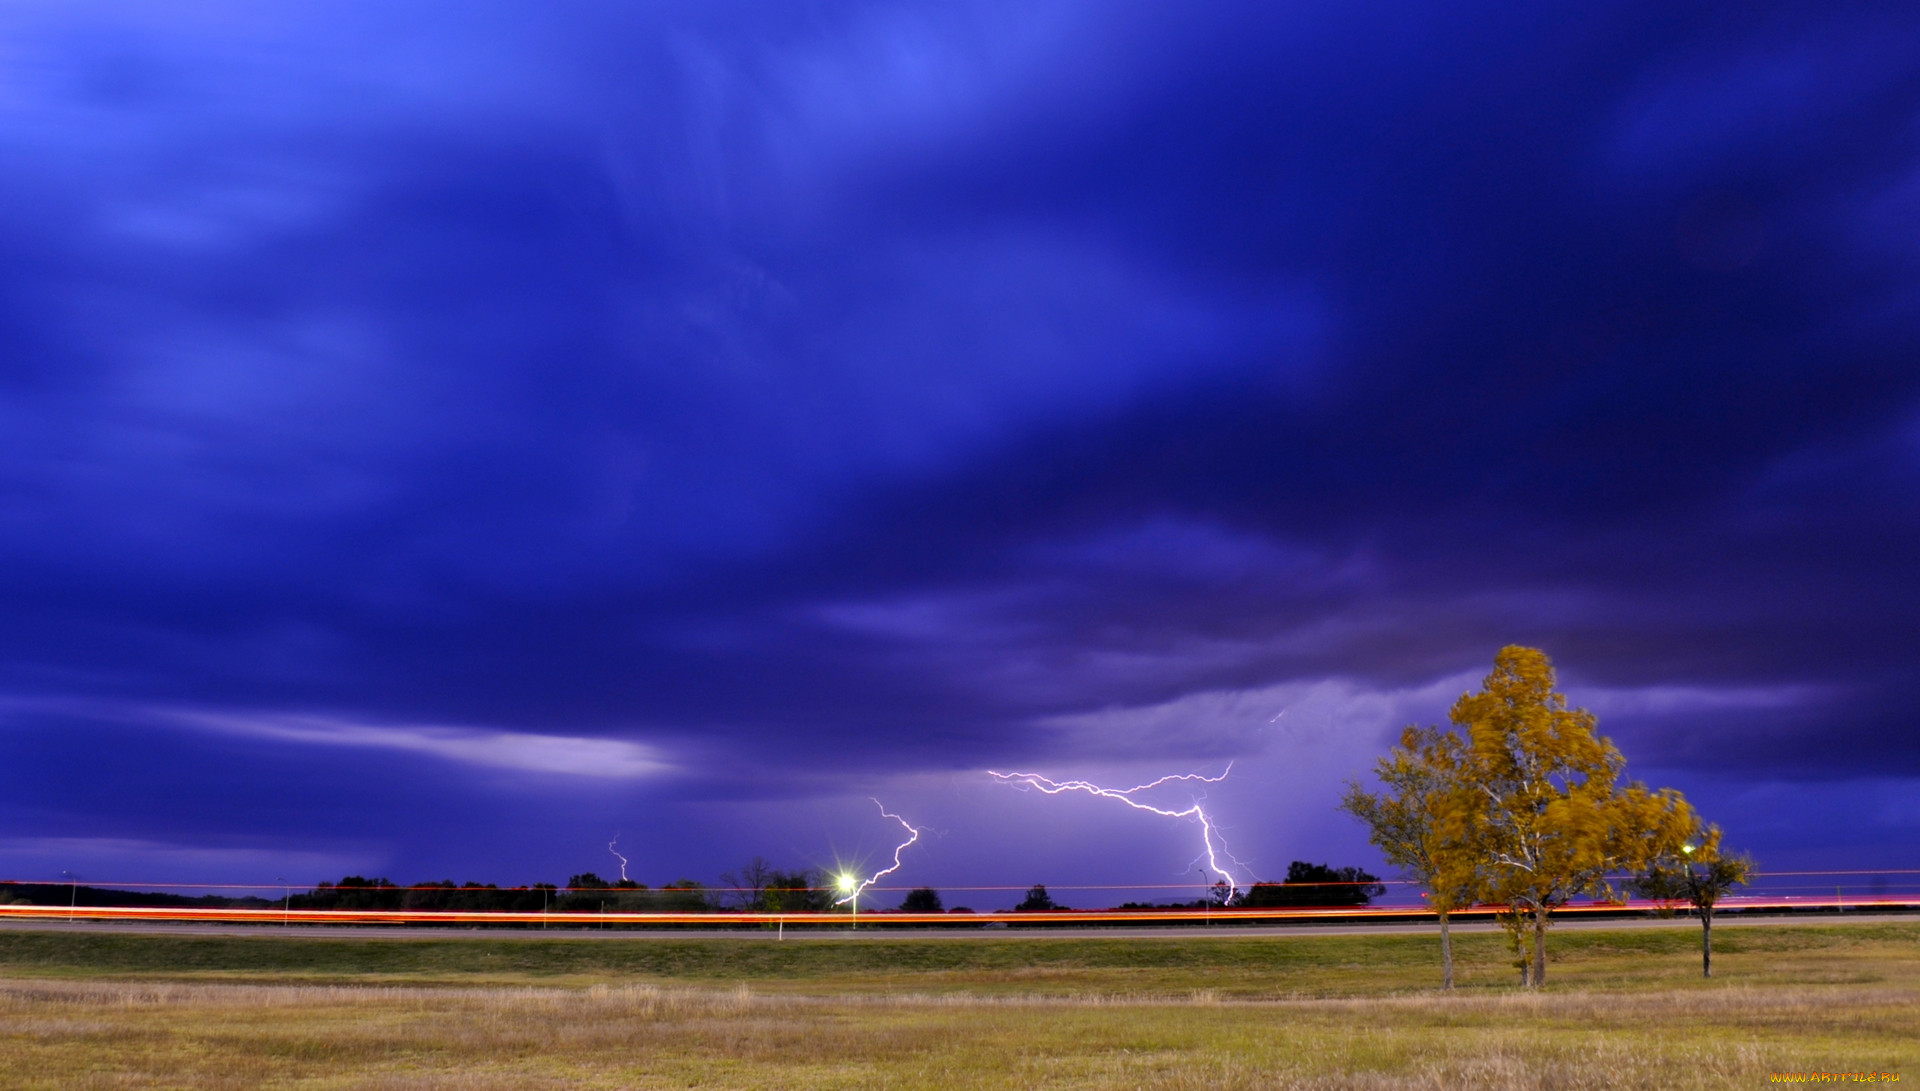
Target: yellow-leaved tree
[(1406, 822), (1539, 803)]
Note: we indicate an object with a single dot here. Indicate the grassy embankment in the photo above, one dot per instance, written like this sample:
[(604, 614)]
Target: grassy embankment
[(1624, 1009)]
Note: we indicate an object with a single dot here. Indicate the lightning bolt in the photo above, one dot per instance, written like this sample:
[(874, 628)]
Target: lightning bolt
[(913, 835), (1209, 833), (616, 852)]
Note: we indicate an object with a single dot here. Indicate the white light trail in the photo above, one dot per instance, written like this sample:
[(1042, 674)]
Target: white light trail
[(859, 888), (1209, 833)]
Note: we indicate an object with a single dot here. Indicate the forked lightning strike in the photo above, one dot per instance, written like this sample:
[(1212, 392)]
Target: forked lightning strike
[(1208, 833), (852, 889), (616, 852)]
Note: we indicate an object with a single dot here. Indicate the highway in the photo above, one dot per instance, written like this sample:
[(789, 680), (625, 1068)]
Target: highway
[(895, 933)]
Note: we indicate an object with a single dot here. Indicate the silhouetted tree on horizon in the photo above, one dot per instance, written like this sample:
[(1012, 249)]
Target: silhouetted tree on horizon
[(1037, 901), (921, 899)]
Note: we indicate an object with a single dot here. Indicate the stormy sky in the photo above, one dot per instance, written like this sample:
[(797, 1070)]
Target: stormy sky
[(438, 439)]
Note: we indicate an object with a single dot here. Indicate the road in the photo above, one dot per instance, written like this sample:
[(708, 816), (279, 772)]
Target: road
[(1276, 931)]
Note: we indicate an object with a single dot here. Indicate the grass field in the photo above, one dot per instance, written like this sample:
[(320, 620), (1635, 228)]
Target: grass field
[(1623, 1008)]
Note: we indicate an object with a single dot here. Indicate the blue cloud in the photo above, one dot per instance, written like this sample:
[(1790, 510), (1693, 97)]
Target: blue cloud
[(816, 393)]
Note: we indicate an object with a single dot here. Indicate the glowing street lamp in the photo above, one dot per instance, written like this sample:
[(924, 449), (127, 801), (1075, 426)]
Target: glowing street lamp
[(850, 886)]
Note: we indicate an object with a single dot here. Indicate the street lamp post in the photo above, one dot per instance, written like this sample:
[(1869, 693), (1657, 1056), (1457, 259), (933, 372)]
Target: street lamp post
[(286, 910), (851, 888), (73, 898)]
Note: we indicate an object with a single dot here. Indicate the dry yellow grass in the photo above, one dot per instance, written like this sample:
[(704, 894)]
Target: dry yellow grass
[(1774, 1012), (67, 1034)]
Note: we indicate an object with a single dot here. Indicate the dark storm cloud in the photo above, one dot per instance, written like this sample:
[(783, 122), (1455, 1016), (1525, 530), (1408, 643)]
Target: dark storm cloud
[(838, 388)]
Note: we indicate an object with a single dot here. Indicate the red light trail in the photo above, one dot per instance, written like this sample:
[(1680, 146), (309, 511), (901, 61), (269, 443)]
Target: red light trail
[(728, 919)]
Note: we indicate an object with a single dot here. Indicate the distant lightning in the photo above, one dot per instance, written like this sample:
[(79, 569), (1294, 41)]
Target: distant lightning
[(1209, 834), (913, 835), (616, 852)]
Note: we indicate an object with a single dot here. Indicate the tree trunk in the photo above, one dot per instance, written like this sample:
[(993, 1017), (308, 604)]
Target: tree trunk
[(1539, 946), (1446, 954), (1516, 930), (1706, 941)]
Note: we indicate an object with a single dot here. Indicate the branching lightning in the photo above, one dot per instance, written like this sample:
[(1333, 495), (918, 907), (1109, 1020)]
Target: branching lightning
[(913, 834), (1215, 847), (616, 852)]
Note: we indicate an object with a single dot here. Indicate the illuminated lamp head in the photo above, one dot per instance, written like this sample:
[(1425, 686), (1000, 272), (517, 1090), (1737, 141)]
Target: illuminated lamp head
[(846, 883), (1688, 849)]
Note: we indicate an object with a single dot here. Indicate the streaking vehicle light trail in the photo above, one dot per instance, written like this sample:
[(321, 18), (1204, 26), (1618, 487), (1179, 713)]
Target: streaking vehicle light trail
[(1215, 846), (731, 919), (853, 888)]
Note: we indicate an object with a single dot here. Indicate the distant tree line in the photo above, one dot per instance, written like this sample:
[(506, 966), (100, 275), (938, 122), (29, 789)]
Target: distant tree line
[(1315, 886), (89, 897), (1307, 886), (758, 887), (583, 893)]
